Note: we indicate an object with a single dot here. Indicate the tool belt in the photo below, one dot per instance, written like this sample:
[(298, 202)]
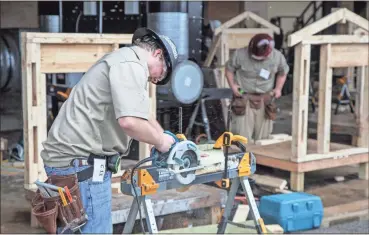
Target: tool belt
[(52, 212), (256, 101)]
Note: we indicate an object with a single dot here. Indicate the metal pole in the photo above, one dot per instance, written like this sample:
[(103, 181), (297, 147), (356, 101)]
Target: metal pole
[(60, 16), (100, 16)]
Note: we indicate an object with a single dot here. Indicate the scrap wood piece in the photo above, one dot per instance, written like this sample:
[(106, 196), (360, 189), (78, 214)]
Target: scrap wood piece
[(274, 228), (3, 144), (269, 181), (274, 139), (241, 213)]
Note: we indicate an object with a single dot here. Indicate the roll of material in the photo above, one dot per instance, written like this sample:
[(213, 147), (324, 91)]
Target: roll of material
[(9, 62), (49, 23), (175, 26)]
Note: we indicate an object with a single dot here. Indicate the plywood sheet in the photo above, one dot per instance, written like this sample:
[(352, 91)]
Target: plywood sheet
[(56, 58), (349, 55)]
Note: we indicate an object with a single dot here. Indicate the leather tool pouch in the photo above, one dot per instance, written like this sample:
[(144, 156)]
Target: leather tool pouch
[(271, 111), (50, 211), (238, 106)]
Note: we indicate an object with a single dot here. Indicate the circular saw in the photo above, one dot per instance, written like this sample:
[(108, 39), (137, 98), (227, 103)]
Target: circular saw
[(182, 159)]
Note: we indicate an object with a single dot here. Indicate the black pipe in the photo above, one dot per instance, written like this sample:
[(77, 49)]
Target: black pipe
[(60, 16), (100, 16)]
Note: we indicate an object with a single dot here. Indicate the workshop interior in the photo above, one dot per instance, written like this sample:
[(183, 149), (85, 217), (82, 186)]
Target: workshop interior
[(220, 181)]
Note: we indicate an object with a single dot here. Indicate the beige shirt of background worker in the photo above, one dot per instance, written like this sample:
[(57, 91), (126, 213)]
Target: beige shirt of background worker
[(116, 86), (255, 76)]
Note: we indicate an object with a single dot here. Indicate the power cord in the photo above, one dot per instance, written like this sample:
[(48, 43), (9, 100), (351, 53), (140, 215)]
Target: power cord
[(134, 188)]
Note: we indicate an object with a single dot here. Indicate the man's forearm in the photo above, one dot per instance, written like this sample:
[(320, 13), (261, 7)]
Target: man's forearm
[(230, 77), (281, 79), (141, 130), (156, 125)]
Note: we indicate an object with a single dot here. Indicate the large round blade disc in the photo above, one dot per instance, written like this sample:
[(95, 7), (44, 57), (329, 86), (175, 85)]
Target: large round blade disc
[(190, 160), (187, 82)]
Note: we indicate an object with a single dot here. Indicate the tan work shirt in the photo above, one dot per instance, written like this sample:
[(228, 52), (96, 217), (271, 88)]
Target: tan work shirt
[(114, 87), (255, 76)]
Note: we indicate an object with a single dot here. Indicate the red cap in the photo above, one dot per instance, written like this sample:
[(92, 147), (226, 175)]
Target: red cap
[(261, 45)]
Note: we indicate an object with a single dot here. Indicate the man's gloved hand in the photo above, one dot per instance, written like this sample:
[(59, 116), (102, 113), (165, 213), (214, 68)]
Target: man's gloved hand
[(166, 142)]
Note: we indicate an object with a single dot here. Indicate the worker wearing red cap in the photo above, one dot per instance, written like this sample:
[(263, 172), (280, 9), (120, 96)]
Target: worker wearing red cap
[(256, 71)]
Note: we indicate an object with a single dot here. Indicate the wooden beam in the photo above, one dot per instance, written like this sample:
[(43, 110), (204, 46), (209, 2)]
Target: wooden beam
[(356, 19), (345, 153), (231, 22), (362, 106), (333, 39), (349, 55), (71, 58), (301, 76), (315, 27), (264, 22), (360, 31), (297, 180), (325, 99), (78, 38), (144, 149)]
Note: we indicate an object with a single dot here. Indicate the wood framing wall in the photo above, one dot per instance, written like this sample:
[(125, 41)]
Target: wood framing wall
[(336, 51), (57, 53)]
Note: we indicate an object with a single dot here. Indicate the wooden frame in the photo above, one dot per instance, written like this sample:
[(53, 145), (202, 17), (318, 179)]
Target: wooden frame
[(227, 38), (336, 51), (57, 53)]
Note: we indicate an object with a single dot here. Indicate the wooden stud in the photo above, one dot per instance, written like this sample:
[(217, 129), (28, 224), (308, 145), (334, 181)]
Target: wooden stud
[(144, 149), (300, 102), (216, 214), (333, 39), (364, 171), (325, 99), (362, 107), (297, 181)]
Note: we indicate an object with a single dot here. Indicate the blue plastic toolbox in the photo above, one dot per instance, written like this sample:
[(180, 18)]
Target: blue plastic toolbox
[(292, 211)]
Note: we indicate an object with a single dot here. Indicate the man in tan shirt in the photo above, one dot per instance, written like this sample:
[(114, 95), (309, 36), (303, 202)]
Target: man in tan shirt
[(106, 110), (254, 70)]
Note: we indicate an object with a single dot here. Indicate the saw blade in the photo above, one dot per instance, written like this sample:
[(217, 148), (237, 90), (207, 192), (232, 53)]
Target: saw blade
[(190, 163)]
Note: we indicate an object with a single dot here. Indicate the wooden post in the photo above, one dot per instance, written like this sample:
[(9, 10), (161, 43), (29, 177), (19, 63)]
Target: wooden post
[(301, 77), (362, 112), (34, 113), (325, 99), (297, 181), (144, 149)]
